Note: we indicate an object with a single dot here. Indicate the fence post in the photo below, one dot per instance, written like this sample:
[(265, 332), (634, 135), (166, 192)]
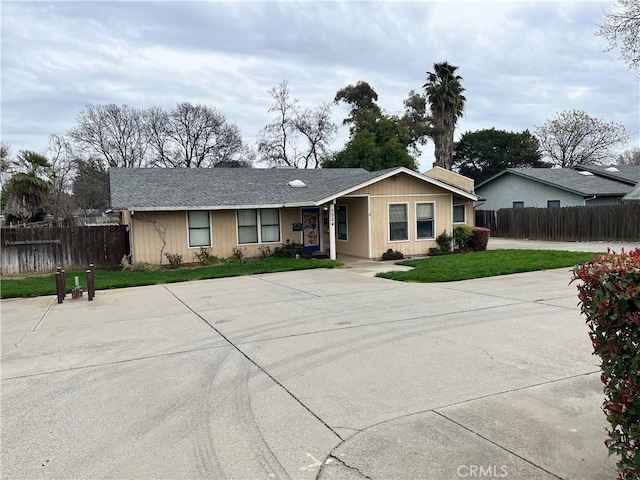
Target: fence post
[(59, 289), (90, 285)]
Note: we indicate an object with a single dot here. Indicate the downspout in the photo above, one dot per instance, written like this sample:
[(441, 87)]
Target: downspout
[(332, 230), (587, 199), (131, 238), (369, 245)]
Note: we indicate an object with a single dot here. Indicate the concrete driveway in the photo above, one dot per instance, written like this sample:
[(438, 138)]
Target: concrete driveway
[(330, 374)]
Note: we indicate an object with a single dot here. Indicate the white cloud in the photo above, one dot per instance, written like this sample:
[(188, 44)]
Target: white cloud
[(521, 62)]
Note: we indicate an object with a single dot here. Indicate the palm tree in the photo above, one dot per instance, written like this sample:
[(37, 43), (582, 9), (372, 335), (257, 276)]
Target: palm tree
[(444, 94), (27, 190)]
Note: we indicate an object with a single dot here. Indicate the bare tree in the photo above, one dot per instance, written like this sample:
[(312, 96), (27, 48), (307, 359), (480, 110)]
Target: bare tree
[(193, 136), (61, 172), (575, 138), (630, 157), (622, 25), (162, 228), (116, 134), (91, 185), (315, 125), (279, 142)]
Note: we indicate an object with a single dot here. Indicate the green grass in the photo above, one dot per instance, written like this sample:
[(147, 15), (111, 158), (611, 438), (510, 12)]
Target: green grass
[(490, 263), (37, 285)]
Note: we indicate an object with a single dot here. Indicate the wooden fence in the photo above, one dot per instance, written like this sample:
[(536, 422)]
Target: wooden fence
[(611, 223), (30, 250)]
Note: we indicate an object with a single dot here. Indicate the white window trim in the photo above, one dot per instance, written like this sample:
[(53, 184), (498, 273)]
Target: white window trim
[(189, 247), (434, 222), (464, 210), (408, 239), (259, 226), (346, 221)]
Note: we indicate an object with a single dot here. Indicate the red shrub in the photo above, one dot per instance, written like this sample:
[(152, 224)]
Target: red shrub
[(610, 299), (479, 239)]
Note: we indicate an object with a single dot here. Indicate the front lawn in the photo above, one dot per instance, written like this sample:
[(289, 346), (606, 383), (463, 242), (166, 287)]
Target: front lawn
[(489, 263), (37, 285)]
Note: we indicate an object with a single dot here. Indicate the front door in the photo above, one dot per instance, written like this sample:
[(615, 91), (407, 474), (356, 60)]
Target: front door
[(311, 228)]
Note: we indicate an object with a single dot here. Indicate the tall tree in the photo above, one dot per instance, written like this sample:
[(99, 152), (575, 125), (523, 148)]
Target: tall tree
[(622, 25), (61, 172), (575, 138), (361, 97), (417, 121), (28, 188), (444, 94), (91, 185), (277, 142), (296, 137), (192, 136), (377, 141), (484, 153), (116, 134)]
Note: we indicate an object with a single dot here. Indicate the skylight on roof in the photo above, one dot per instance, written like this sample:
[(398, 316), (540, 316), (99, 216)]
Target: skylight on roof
[(297, 184), (586, 174), (612, 169)]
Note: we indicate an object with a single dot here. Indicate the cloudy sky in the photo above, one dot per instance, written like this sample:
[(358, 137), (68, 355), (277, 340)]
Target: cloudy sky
[(522, 62)]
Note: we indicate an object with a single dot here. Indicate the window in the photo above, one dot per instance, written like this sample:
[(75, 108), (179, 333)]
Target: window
[(458, 214), (398, 222), (270, 225), (553, 203), (259, 226), (424, 220), (518, 204), (341, 221), (199, 229)]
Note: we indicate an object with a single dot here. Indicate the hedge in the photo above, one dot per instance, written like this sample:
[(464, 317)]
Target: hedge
[(609, 293)]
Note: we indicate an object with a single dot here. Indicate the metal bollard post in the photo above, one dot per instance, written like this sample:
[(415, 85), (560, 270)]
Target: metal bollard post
[(63, 283), (91, 291), (59, 287)]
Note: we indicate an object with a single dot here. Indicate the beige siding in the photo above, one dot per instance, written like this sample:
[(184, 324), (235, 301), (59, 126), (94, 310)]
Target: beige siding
[(399, 185), (357, 228), (470, 214), (289, 216), (146, 241), (409, 190), (451, 178)]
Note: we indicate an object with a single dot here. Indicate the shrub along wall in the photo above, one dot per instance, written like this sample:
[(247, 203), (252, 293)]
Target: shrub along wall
[(609, 295)]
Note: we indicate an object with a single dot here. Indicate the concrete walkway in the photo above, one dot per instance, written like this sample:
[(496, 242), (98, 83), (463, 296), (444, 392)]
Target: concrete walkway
[(329, 374), (501, 243)]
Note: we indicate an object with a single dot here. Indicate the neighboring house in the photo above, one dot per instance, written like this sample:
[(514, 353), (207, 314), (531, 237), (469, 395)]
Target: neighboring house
[(550, 187), (337, 211), (629, 174)]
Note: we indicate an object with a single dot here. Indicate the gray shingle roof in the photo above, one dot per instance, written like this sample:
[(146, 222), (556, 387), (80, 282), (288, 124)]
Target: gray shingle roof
[(172, 188), (624, 173), (571, 180)]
